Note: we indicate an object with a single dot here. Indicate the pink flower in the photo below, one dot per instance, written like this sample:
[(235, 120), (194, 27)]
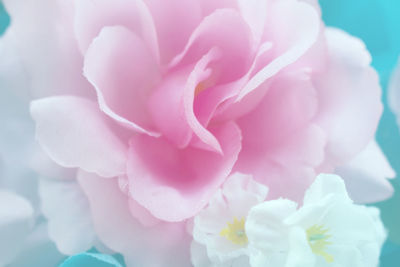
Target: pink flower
[(175, 95)]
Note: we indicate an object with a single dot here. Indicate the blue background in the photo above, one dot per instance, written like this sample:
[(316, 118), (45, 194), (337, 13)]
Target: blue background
[(377, 23)]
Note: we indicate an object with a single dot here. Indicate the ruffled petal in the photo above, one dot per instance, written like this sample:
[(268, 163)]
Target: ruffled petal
[(324, 186), (349, 94), (92, 16), (75, 134), (122, 70), (172, 105), (161, 176), (265, 226), (236, 47), (174, 20), (118, 230), (284, 149), (67, 211), (366, 175), (291, 34)]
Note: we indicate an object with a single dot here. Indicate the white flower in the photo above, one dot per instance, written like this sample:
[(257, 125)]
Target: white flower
[(328, 230), (219, 235)]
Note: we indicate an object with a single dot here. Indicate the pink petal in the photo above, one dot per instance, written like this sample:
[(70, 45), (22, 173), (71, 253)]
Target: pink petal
[(255, 13), (366, 175), (210, 6), (175, 20), (287, 170), (173, 103), (92, 16), (288, 106), (348, 94), (162, 176), (75, 134), (123, 72), (293, 28), (236, 46), (163, 245), (282, 151)]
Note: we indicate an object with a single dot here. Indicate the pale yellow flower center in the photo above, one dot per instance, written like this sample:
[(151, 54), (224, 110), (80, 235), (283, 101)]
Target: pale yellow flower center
[(235, 232), (318, 239)]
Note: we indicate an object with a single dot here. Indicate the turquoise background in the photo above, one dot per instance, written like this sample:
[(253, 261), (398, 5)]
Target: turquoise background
[(377, 23)]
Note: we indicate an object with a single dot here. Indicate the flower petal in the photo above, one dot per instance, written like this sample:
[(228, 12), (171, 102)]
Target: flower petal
[(365, 176), (172, 105), (16, 222), (168, 16), (75, 134), (292, 35), (123, 72), (52, 43), (119, 231), (349, 94), (324, 186), (92, 16), (265, 226), (162, 176), (67, 211), (216, 31)]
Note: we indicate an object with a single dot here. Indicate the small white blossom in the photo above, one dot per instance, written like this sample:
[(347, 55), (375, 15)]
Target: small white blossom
[(219, 230)]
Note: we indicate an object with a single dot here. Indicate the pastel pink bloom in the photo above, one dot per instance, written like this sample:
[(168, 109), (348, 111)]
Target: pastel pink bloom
[(175, 95)]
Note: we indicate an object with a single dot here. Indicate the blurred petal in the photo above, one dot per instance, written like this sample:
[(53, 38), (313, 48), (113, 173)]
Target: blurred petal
[(16, 222), (366, 175), (67, 210), (74, 133), (164, 245), (349, 94)]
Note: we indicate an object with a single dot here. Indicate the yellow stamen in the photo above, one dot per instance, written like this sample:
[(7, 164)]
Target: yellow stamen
[(235, 232), (318, 239)]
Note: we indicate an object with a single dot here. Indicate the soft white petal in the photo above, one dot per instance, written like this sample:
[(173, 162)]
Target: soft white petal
[(300, 253), (241, 193), (265, 226), (16, 222), (365, 176), (324, 186), (67, 210), (75, 134)]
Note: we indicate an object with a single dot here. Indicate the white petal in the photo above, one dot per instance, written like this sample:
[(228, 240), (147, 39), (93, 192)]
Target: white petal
[(241, 193), (365, 176), (265, 226), (67, 210), (16, 222), (75, 134), (324, 186), (300, 253)]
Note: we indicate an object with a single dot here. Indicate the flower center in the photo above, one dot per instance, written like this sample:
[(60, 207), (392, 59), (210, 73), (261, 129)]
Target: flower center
[(235, 232), (318, 239)]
